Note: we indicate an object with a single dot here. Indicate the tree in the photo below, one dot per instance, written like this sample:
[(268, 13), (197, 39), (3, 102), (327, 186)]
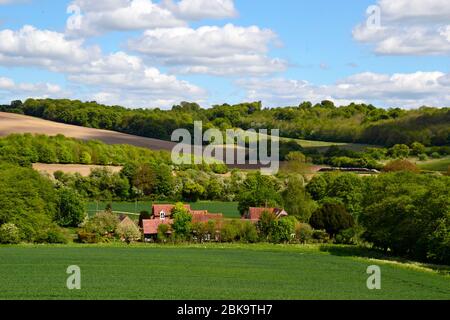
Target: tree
[(71, 208), (401, 151), (333, 218), (258, 191), (145, 179), (182, 221), (297, 202), (407, 214), (192, 191), (266, 224), (417, 148)]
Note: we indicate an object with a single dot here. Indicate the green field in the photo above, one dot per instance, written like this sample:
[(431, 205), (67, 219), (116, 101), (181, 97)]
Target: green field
[(435, 165), (229, 209), (211, 272)]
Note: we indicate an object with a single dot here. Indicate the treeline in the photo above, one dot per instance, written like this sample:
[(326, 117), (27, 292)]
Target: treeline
[(324, 122), (401, 213), (25, 149)]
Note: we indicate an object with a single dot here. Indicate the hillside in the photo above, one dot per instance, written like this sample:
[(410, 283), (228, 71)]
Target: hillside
[(14, 123)]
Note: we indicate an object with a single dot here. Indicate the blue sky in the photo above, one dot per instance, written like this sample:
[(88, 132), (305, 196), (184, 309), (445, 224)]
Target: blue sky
[(140, 53)]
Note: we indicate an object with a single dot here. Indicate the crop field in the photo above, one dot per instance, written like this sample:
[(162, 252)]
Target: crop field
[(228, 209), (213, 272)]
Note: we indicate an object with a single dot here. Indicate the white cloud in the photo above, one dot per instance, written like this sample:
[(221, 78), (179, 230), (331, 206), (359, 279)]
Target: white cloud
[(123, 79), (227, 50), (36, 90), (407, 90), (409, 27), (114, 75), (97, 17), (202, 9), (30, 46)]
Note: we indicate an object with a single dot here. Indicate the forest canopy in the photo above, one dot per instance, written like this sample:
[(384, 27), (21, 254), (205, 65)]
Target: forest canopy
[(354, 123)]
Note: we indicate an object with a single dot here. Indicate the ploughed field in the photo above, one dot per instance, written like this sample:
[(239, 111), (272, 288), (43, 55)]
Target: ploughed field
[(210, 272)]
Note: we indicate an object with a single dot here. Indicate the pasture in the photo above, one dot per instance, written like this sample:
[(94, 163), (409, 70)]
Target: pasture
[(228, 209), (435, 164), (207, 272)]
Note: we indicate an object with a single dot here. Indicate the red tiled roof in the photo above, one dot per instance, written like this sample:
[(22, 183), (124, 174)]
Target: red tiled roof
[(151, 226), (255, 213), (166, 208), (204, 216)]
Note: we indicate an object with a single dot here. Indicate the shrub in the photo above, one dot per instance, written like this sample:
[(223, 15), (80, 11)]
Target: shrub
[(423, 157), (128, 232), (436, 155), (163, 229), (249, 233), (103, 224), (283, 231), (401, 165), (52, 235), (88, 237), (9, 234), (321, 236), (229, 232), (303, 232), (346, 236)]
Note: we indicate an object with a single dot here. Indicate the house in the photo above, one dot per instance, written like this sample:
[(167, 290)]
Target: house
[(125, 220), (254, 214), (162, 214)]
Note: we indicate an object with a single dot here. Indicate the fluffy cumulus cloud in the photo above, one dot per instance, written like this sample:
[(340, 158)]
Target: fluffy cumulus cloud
[(15, 90), (97, 17), (409, 90), (408, 27), (227, 50), (114, 75), (123, 79), (202, 9), (31, 46)]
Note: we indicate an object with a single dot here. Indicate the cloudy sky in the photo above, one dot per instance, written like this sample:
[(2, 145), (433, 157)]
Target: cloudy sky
[(150, 53)]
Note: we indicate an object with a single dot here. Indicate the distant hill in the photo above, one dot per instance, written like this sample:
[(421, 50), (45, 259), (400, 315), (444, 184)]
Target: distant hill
[(15, 123)]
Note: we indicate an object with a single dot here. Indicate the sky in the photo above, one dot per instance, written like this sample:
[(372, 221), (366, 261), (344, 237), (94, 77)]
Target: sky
[(150, 53)]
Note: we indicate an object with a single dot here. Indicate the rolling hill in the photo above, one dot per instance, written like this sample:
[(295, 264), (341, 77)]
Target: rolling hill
[(14, 123)]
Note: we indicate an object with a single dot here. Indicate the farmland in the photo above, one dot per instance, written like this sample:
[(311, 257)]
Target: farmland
[(197, 272), (229, 209), (436, 164)]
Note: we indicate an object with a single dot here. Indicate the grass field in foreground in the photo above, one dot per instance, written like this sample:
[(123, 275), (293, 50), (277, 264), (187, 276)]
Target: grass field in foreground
[(228, 209), (212, 272)]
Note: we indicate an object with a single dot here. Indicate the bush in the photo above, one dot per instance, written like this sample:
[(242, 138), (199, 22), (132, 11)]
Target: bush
[(88, 237), (303, 232), (103, 224), (435, 155), (346, 236), (9, 234), (128, 232), (249, 233), (163, 229), (401, 165), (423, 157), (229, 232), (52, 235), (321, 236)]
